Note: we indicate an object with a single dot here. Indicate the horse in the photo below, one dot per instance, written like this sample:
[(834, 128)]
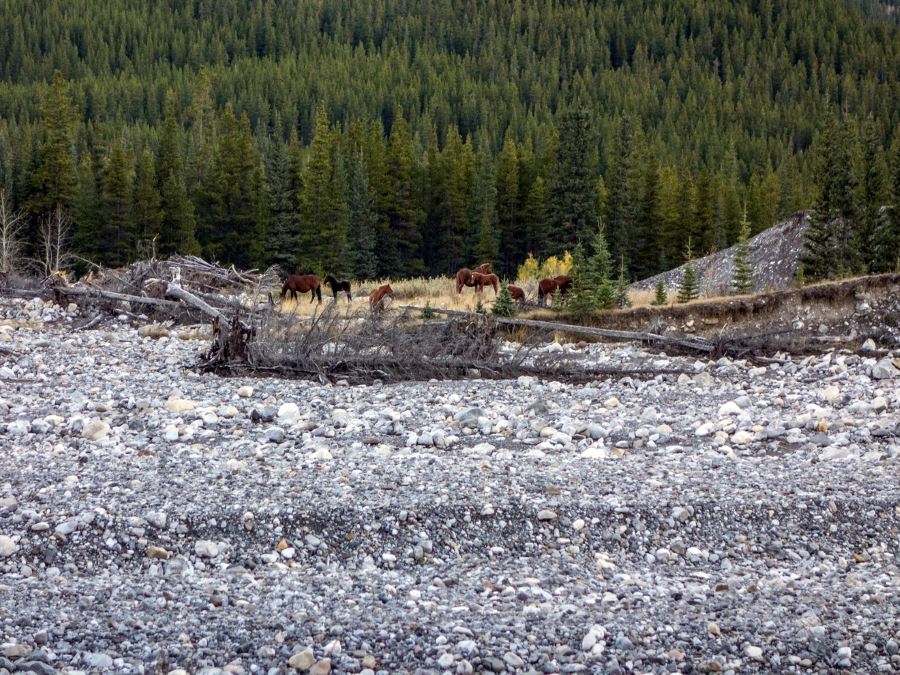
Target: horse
[(464, 275), (479, 281), (376, 297), (551, 285), (302, 283), (516, 293), (336, 286)]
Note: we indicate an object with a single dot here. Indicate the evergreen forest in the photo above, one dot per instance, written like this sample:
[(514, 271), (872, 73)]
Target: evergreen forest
[(392, 138)]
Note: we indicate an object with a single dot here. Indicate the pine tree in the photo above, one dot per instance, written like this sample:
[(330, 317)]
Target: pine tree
[(363, 220), (283, 203), (55, 179), (504, 305), (832, 237), (508, 206), (404, 215), (582, 296), (620, 291), (177, 229), (886, 244), (871, 193), (689, 287), (87, 212), (572, 210), (536, 226), (622, 179), (660, 297), (742, 274), (117, 232), (147, 204)]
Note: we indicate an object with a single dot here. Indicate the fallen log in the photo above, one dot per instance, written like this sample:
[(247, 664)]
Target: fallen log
[(175, 291), (97, 293), (689, 343)]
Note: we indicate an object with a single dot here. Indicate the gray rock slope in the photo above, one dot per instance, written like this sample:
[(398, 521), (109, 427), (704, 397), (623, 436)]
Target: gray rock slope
[(773, 252)]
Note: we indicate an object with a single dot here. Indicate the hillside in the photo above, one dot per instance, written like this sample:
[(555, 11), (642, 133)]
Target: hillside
[(395, 139), (773, 253)]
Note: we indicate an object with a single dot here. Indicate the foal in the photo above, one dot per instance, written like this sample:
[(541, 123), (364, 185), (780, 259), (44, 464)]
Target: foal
[(337, 286)]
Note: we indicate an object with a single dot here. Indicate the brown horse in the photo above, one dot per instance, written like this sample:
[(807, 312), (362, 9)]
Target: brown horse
[(516, 293), (550, 286), (338, 285), (464, 275), (479, 281), (376, 297), (302, 283)]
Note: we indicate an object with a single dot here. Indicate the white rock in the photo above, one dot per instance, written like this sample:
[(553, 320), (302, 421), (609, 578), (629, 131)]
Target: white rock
[(321, 453), (179, 405), (578, 524), (830, 394), (303, 660), (445, 660), (245, 392), (742, 437), (206, 549), (546, 514), (753, 652), (611, 403), (7, 546), (95, 430), (884, 370), (596, 451), (288, 413), (729, 409), (170, 433)]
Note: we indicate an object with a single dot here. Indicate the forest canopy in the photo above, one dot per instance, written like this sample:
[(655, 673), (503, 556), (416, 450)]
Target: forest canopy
[(391, 138)]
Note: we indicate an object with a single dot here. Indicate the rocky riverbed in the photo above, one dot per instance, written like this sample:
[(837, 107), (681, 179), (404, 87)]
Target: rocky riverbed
[(731, 518)]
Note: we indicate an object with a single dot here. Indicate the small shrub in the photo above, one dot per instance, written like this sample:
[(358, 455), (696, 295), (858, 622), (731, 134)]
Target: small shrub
[(504, 305)]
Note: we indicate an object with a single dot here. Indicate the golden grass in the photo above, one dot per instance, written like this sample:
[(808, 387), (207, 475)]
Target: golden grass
[(438, 292)]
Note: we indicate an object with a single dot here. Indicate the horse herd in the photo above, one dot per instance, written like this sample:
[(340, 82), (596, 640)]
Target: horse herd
[(309, 283), (476, 278), (483, 276)]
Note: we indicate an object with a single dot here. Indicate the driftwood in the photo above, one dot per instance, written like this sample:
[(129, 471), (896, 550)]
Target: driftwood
[(695, 344)]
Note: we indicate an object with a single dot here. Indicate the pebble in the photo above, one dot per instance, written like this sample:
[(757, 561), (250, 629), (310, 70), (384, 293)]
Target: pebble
[(7, 546), (95, 430), (206, 549), (302, 660)]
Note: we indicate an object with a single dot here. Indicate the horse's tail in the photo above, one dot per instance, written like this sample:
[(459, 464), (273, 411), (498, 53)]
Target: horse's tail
[(284, 288), (319, 292)]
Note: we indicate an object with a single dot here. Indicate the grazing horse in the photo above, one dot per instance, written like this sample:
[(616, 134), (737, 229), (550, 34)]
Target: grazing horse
[(376, 297), (464, 275), (516, 293), (336, 286), (552, 285), (479, 281), (302, 283)]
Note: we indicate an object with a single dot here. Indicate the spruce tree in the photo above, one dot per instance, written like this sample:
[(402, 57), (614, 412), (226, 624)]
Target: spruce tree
[(147, 204), (87, 211), (55, 179), (871, 194), (572, 212), (582, 297), (832, 237), (512, 248), (177, 229), (689, 287), (504, 305), (742, 274), (118, 236), (620, 290), (660, 296), (886, 244), (404, 214), (363, 220)]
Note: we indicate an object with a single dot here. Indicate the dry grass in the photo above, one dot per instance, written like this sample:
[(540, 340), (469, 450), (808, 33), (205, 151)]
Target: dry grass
[(438, 292)]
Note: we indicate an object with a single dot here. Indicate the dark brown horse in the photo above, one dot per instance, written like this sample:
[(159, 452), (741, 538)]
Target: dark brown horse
[(516, 293), (302, 283), (376, 297), (464, 275), (546, 287), (337, 286), (479, 281)]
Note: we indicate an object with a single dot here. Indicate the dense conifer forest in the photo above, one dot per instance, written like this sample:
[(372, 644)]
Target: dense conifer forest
[(400, 137)]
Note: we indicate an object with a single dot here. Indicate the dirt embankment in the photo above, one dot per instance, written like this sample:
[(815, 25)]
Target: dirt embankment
[(854, 309)]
